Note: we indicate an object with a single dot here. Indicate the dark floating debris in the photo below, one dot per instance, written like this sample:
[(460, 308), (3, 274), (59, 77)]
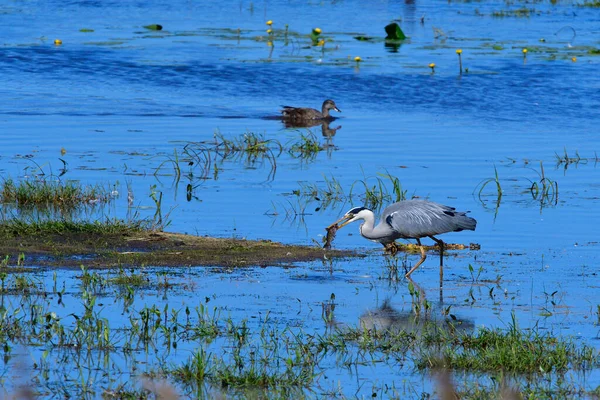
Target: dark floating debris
[(154, 27)]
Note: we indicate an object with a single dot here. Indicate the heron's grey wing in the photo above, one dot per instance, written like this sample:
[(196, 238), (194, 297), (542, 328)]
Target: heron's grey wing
[(421, 218)]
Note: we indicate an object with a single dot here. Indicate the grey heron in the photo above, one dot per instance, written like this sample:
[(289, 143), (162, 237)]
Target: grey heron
[(304, 114), (409, 219)]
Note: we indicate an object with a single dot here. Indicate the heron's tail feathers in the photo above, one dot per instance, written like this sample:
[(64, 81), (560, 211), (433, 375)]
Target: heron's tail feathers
[(464, 222)]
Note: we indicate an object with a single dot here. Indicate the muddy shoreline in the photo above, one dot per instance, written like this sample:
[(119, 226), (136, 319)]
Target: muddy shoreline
[(96, 250)]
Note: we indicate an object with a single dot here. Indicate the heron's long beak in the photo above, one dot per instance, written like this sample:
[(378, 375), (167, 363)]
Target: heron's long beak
[(345, 219)]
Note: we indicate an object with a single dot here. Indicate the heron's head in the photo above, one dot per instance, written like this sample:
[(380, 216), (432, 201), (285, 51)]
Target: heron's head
[(330, 105), (352, 215)]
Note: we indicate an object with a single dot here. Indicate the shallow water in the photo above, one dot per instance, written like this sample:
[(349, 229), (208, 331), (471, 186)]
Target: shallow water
[(122, 99)]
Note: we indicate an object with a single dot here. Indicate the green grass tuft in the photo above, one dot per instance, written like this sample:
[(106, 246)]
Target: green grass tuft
[(17, 227), (57, 194)]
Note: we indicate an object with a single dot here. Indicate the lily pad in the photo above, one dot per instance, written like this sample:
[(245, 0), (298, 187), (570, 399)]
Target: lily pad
[(363, 38)]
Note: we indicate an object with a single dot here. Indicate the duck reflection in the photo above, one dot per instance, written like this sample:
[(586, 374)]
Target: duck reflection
[(327, 131)]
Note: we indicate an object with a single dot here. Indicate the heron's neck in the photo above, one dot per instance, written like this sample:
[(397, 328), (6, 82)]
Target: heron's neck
[(325, 112), (367, 229)]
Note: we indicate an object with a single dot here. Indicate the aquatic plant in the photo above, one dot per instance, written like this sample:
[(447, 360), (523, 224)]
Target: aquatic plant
[(591, 4), (522, 12), (240, 357), (394, 32), (376, 194), (544, 189), (496, 179), (567, 160), (52, 192), (315, 36), (307, 147), (13, 227), (511, 350)]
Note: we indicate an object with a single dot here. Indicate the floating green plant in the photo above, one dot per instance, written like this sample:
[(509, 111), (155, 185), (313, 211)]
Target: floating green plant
[(154, 27), (394, 32), (315, 36)]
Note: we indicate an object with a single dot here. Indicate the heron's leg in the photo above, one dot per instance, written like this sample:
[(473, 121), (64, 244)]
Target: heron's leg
[(440, 243), (423, 257)]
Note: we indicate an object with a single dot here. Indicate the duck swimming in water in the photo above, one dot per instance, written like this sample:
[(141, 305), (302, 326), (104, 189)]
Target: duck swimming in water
[(307, 114)]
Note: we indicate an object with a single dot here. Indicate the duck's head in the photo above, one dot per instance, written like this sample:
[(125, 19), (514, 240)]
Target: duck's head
[(330, 105)]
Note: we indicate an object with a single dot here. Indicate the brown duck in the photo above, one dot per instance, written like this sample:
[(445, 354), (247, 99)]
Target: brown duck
[(307, 114)]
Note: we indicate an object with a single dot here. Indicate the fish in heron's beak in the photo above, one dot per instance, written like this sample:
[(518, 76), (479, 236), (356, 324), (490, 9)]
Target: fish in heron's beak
[(345, 220), (337, 109)]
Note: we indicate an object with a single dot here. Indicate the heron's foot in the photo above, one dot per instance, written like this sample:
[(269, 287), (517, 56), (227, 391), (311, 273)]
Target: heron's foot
[(392, 248)]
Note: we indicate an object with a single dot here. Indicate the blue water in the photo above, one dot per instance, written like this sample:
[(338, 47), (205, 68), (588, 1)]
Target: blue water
[(121, 100)]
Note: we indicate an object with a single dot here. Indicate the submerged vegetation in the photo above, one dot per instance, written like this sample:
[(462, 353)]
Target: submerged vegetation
[(377, 191), (204, 159), (542, 189), (239, 357)]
